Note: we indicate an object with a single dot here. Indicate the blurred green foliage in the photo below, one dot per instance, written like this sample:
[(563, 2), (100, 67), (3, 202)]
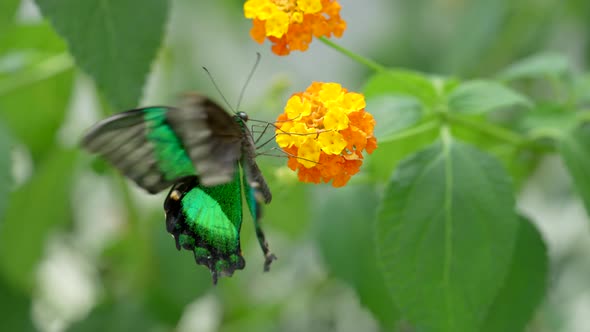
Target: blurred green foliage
[(426, 238)]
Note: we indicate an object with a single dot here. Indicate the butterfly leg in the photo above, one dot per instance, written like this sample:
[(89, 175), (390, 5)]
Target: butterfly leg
[(284, 153), (268, 256), (266, 126)]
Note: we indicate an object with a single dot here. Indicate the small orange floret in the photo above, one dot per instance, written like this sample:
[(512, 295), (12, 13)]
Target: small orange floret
[(290, 25), (324, 131)]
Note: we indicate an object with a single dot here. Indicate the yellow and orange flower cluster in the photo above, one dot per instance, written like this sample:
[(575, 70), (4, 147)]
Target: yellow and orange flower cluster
[(324, 131), (291, 24)]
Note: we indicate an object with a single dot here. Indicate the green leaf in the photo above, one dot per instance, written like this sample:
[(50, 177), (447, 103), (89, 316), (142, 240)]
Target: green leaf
[(45, 104), (548, 118), (525, 284), (402, 83), (384, 159), (8, 13), (574, 147), (478, 97), (115, 41), (345, 234), (5, 169), (120, 317), (582, 89), (34, 211), (38, 37), (537, 66), (393, 114), (34, 82), (16, 309), (445, 234)]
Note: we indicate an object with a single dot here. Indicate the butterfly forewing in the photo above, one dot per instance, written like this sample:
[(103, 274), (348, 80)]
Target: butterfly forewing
[(212, 137), (156, 146), (142, 146)]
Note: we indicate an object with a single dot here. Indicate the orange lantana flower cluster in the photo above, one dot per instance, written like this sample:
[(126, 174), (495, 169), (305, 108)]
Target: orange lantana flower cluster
[(291, 24), (324, 131)]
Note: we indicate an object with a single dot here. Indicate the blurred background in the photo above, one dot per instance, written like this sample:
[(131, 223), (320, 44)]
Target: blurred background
[(83, 249)]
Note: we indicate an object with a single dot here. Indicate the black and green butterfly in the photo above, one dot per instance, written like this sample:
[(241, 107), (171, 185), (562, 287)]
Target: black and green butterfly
[(195, 148)]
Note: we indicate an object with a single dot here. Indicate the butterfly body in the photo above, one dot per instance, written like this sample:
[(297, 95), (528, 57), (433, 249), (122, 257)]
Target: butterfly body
[(197, 149)]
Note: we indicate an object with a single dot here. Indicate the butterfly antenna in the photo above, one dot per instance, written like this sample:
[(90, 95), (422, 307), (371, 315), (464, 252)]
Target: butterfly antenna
[(217, 88), (248, 80)]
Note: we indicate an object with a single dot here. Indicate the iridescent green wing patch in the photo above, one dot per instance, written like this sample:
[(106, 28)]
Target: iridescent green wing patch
[(143, 146), (207, 221), (171, 155)]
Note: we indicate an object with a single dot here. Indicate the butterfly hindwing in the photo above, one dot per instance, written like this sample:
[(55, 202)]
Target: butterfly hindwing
[(207, 221)]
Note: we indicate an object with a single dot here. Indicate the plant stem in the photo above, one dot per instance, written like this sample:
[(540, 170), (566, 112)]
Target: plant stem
[(358, 58), (486, 128), (413, 131), (445, 134)]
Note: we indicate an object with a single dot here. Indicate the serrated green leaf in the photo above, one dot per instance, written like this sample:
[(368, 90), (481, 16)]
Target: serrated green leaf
[(520, 164), (16, 309), (478, 97), (574, 147), (445, 234), (525, 283), (393, 114), (115, 41), (536, 66), (402, 83), (34, 210), (5, 169), (344, 233)]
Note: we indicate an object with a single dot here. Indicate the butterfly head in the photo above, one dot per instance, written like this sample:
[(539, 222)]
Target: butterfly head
[(242, 116)]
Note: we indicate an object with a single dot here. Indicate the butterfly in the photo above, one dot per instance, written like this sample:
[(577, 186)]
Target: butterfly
[(199, 150)]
